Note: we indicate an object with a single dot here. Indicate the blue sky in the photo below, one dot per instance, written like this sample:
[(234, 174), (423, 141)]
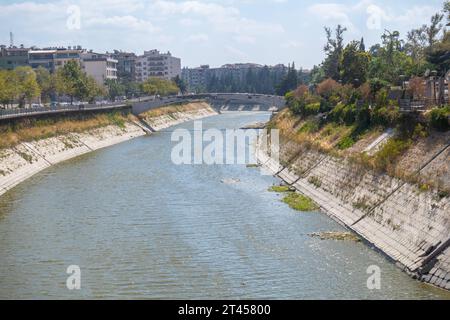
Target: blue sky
[(211, 32)]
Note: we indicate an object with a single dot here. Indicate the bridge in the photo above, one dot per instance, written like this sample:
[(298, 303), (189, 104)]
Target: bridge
[(222, 102)]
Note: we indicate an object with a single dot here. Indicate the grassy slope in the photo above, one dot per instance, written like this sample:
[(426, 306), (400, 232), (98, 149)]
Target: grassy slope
[(11, 135), (400, 157)]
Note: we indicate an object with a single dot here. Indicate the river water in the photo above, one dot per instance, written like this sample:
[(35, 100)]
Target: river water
[(139, 226)]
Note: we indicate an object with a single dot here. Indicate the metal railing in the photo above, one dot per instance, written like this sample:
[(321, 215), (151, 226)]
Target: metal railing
[(23, 112)]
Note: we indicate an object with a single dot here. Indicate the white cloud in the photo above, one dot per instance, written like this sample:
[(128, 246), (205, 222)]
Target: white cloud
[(126, 22), (197, 38)]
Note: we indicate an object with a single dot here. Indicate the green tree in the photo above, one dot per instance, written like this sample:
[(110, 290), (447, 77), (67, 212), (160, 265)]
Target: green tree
[(29, 87), (156, 86), (180, 84), (46, 83), (115, 89), (354, 64), (289, 82), (73, 82), (333, 50), (434, 28)]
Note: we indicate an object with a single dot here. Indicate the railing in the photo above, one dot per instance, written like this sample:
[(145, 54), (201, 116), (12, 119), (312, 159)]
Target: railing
[(23, 112)]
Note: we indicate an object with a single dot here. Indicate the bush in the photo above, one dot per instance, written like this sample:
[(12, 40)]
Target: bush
[(310, 126), (386, 116), (390, 152), (346, 143), (312, 109), (439, 118)]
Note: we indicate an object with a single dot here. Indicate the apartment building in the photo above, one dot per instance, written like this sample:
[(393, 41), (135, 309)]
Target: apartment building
[(154, 64), (13, 57), (53, 58), (101, 67), (195, 78), (126, 65)]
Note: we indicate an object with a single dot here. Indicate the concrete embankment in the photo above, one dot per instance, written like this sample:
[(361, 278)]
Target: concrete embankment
[(163, 118), (409, 224), (23, 159)]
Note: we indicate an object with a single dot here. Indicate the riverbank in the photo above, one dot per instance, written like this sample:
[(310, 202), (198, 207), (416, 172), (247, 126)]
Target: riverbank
[(407, 221), (32, 147), (166, 117)]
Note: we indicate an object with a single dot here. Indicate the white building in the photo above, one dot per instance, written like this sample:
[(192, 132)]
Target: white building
[(99, 66), (154, 64)]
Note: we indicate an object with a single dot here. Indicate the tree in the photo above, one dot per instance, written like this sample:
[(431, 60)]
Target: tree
[(435, 27), (362, 46), (354, 64), (417, 87), (289, 82), (156, 86), (447, 10), (333, 49), (46, 83), (29, 87), (115, 89), (73, 82), (180, 84)]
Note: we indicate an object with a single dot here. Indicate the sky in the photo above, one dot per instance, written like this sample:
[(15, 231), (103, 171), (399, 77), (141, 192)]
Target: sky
[(213, 32)]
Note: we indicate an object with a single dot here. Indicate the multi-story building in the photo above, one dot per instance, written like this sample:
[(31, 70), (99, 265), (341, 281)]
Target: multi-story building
[(126, 65), (196, 78), (12, 57), (101, 67), (199, 79), (154, 64), (54, 58)]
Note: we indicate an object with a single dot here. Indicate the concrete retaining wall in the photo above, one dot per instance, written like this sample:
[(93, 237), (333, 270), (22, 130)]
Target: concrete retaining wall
[(28, 158), (409, 225)]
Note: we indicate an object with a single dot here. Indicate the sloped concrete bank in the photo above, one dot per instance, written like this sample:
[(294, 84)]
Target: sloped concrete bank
[(163, 118), (411, 226), (25, 159)]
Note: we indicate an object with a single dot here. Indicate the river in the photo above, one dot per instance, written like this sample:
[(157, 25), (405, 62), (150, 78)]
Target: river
[(141, 227)]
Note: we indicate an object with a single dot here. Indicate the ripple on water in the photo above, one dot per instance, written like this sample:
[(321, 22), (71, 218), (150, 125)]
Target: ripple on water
[(141, 227)]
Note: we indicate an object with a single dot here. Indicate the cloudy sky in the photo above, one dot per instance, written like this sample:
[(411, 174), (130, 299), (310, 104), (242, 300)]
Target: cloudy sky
[(211, 32)]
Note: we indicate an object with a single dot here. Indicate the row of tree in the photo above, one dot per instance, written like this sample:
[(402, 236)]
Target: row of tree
[(252, 80), (391, 61), (23, 86)]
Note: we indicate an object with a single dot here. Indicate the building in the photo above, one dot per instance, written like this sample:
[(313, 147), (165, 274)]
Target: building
[(126, 65), (54, 58), (13, 57), (196, 78), (199, 79), (101, 67), (154, 64)]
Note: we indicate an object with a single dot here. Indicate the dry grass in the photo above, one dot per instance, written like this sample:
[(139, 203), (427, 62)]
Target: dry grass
[(186, 107), (11, 135)]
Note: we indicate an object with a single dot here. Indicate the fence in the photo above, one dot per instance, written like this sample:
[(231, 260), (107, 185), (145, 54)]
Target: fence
[(24, 112)]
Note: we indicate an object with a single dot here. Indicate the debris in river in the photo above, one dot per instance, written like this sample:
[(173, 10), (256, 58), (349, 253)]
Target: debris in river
[(340, 236)]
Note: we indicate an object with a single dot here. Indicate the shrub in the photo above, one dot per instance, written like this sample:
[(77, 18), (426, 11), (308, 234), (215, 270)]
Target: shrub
[(439, 118), (312, 108), (328, 87), (386, 116), (346, 143), (310, 126), (390, 152)]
